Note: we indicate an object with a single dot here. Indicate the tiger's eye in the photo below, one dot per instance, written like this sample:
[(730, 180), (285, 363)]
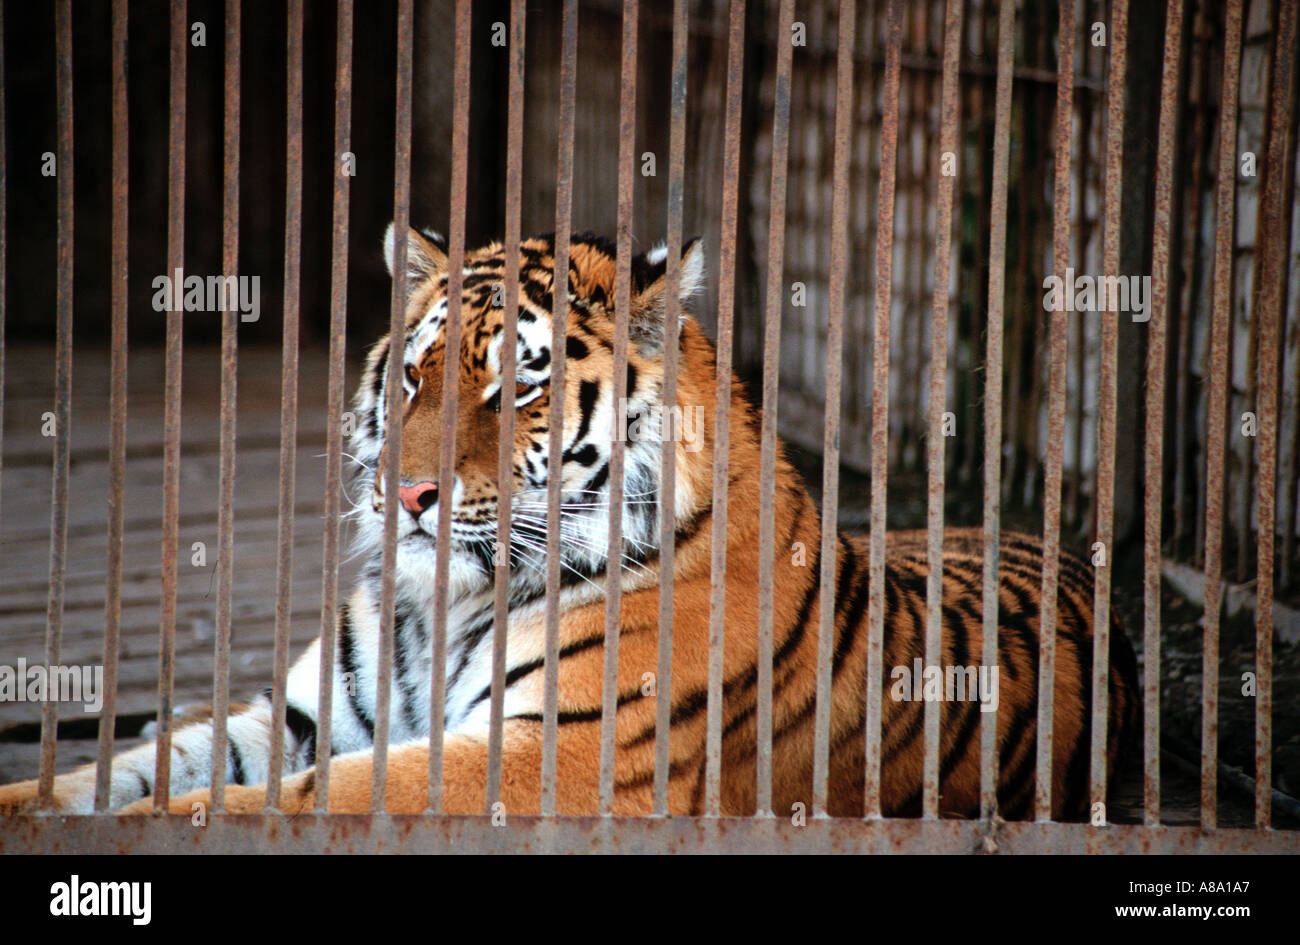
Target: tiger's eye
[(413, 374), (522, 387)]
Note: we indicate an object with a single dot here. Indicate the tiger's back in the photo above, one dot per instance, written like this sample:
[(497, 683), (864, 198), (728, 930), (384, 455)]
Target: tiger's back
[(906, 687)]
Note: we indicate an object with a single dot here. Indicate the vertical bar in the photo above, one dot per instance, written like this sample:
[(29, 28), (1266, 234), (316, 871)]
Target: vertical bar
[(938, 400), (1220, 326), (771, 381), (288, 395), (834, 376), (450, 390), (116, 410), (1271, 281), (1055, 414), (668, 460), (229, 389), (334, 416), (1074, 484), (1037, 248), (393, 393), (1166, 151), (880, 407), (993, 393), (622, 301), (3, 231), (1287, 470), (1184, 415), (62, 396), (1244, 468), (728, 231), (506, 446), (1106, 401), (172, 409), (559, 358)]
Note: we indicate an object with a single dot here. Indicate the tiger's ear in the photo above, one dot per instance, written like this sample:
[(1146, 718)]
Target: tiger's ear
[(650, 291), (426, 255)]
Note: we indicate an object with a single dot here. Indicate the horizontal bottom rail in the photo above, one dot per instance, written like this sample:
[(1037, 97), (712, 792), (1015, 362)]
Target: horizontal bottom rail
[(385, 833)]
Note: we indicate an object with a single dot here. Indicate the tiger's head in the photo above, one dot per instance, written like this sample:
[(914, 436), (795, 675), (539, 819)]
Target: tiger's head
[(588, 410)]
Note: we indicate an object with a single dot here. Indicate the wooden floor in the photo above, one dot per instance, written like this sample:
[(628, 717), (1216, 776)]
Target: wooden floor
[(25, 498)]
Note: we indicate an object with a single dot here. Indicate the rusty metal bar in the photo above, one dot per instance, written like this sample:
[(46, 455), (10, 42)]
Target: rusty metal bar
[(229, 380), (1220, 326), (116, 410), (1073, 485), (1055, 415), (622, 302), (559, 358), (1020, 338), (937, 399), (826, 606), (394, 393), (1041, 109), (411, 833), (450, 393), (1184, 414), (62, 396), (1104, 498), (771, 382), (993, 393), (1244, 468), (880, 407), (172, 410), (668, 462), (1290, 448), (288, 395), (335, 404), (509, 352), (1271, 282), (729, 232), (1157, 331), (3, 242)]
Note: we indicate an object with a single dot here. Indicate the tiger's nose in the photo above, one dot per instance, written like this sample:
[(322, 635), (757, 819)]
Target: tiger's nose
[(417, 498)]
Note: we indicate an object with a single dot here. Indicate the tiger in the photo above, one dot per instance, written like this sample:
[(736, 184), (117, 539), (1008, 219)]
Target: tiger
[(585, 519)]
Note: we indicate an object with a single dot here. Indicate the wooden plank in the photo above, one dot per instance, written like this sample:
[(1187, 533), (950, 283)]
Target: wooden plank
[(25, 516)]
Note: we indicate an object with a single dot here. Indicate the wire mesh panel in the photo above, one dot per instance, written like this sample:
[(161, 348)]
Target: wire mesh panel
[(560, 638)]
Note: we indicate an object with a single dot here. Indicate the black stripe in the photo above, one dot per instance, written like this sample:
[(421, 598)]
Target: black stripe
[(853, 615), (376, 392), (1080, 763), (695, 701), (697, 796), (588, 394), (692, 527), (568, 716), (348, 661), (402, 618), (523, 669), (960, 658), (1023, 780), (644, 777), (303, 729), (469, 641), (237, 774)]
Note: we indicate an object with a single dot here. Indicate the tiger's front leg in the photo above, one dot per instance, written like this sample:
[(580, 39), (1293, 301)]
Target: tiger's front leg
[(465, 760), (464, 777), (133, 772), (248, 754)]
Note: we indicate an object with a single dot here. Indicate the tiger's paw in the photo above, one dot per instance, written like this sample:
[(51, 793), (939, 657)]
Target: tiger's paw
[(19, 798), (239, 800)]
